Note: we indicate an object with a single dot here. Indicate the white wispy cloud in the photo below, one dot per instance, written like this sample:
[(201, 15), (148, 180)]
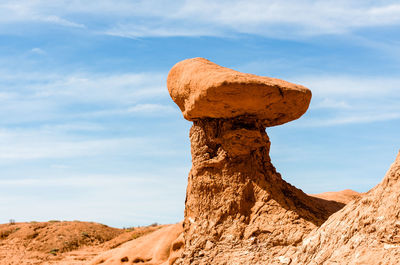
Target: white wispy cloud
[(150, 108), (33, 145), (72, 126), (38, 51), (351, 86), (60, 21), (282, 19), (351, 118), (328, 103), (48, 116), (34, 11), (274, 18), (135, 31), (144, 110), (121, 88), (341, 100), (83, 181), (48, 142), (38, 96)]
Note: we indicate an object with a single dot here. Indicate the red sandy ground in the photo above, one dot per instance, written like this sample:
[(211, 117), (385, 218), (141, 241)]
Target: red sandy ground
[(63, 243)]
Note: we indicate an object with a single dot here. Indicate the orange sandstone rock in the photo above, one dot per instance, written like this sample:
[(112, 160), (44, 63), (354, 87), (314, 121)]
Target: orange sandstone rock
[(365, 231), (236, 202), (203, 89)]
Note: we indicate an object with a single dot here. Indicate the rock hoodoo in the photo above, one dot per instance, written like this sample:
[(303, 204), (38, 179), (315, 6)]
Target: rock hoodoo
[(237, 205)]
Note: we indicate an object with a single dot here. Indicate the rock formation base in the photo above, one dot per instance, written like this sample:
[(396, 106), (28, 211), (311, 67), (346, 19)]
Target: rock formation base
[(236, 201)]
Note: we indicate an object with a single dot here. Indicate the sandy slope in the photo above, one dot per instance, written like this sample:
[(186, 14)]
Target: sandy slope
[(160, 247)]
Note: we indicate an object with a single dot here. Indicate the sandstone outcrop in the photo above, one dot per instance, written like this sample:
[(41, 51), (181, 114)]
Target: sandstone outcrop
[(366, 231), (203, 89), (237, 205)]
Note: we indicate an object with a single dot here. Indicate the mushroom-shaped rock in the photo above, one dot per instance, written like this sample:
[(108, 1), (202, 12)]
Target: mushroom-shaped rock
[(235, 198), (203, 89)]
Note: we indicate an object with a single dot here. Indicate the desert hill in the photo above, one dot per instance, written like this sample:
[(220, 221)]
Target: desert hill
[(55, 242), (344, 196)]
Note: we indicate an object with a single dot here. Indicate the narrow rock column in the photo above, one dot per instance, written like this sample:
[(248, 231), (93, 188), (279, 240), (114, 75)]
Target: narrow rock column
[(230, 160), (235, 199)]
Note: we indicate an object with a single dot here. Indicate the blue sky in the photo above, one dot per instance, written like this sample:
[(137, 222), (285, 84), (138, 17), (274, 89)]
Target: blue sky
[(88, 131)]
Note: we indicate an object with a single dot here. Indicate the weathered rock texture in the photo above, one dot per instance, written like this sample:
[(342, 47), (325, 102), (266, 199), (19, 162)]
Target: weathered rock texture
[(238, 208), (203, 89), (237, 205), (366, 231)]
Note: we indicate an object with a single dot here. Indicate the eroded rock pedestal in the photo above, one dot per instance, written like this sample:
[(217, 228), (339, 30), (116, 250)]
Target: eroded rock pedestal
[(236, 202)]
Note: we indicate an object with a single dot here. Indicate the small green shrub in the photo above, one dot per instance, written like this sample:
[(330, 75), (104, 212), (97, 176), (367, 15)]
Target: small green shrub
[(54, 251)]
